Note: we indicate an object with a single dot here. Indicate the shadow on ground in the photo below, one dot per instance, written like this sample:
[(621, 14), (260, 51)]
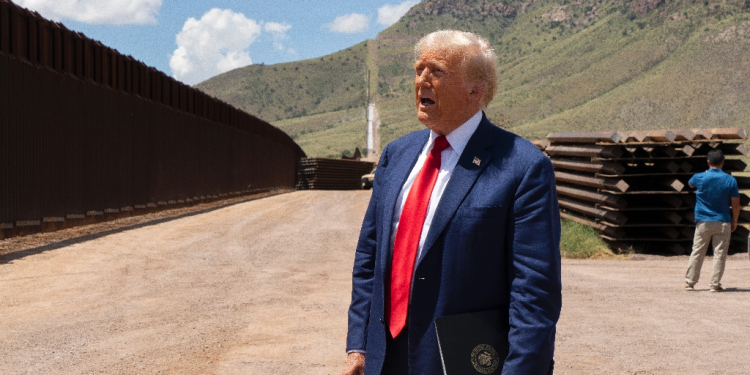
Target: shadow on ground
[(77, 239)]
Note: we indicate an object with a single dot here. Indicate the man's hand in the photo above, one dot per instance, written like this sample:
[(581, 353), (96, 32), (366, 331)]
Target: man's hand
[(734, 225), (355, 364)]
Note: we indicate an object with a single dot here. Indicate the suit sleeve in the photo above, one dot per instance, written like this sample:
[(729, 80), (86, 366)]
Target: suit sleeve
[(364, 267), (534, 272)]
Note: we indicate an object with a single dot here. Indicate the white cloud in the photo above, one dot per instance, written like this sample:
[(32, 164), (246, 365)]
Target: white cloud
[(389, 14), (278, 32), (277, 28), (114, 12), (350, 24), (216, 43)]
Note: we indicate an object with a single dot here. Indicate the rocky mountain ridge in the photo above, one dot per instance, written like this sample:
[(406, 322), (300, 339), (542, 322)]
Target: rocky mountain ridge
[(468, 9), (563, 66)]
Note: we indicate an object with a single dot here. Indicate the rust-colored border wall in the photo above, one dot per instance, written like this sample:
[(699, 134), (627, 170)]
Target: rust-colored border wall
[(84, 129)]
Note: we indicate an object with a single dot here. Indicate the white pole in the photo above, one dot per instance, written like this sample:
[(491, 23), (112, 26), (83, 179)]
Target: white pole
[(370, 129)]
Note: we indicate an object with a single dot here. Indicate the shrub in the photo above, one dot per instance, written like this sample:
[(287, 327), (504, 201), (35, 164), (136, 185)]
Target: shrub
[(579, 241)]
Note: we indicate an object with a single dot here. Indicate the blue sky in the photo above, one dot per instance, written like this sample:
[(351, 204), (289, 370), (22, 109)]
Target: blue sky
[(193, 40)]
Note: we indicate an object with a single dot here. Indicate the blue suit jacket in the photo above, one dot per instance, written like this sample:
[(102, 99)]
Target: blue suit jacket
[(493, 243)]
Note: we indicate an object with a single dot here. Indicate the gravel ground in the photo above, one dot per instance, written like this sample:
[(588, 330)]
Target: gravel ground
[(632, 317), (262, 287)]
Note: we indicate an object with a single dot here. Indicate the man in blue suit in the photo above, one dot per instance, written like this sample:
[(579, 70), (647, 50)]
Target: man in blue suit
[(463, 218)]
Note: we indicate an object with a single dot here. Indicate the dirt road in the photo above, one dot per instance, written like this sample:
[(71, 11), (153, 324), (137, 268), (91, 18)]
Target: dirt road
[(632, 317), (262, 287)]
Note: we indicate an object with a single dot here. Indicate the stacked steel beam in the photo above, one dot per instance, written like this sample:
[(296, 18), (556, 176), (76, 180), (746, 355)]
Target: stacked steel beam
[(331, 174), (633, 186)]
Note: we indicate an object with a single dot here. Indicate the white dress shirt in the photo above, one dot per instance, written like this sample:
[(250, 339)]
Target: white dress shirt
[(457, 139)]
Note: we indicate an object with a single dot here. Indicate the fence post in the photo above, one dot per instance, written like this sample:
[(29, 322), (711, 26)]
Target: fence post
[(174, 95), (98, 64), (57, 47), (19, 34), (127, 74), (120, 72), (5, 28), (87, 61), (146, 91), (32, 38), (156, 94), (68, 52), (45, 44), (135, 78), (190, 93)]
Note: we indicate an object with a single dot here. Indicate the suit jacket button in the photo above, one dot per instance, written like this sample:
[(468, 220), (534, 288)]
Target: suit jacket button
[(382, 321)]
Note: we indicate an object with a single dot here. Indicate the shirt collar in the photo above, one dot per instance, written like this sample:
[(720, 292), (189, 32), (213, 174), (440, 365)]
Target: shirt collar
[(460, 136), (709, 169)]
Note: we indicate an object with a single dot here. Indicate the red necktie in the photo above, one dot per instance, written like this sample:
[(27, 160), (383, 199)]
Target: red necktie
[(408, 234)]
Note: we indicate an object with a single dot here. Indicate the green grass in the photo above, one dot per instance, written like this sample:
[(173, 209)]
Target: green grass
[(328, 134), (578, 241)]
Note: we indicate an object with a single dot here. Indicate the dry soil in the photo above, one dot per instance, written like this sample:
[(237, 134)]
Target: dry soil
[(262, 287)]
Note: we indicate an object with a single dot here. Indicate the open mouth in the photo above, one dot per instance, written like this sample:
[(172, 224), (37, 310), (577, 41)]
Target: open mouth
[(426, 101)]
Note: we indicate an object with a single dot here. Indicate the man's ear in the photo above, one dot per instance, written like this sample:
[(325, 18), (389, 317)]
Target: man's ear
[(476, 91)]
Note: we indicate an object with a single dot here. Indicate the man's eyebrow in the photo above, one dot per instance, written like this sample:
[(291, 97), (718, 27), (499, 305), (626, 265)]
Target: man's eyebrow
[(434, 63)]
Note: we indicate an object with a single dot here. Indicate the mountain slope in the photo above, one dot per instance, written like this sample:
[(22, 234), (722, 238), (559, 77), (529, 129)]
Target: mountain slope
[(297, 89), (563, 66)]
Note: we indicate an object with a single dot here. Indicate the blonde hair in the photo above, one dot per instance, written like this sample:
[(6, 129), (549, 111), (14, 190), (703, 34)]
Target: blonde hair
[(478, 58)]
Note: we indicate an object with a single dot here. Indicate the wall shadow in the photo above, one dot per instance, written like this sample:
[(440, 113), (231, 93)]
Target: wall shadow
[(9, 257)]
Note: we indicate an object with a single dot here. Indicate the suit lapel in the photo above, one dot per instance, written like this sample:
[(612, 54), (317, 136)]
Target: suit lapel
[(464, 175), (400, 172)]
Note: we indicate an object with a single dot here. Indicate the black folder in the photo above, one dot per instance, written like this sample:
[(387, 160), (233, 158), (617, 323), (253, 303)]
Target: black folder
[(473, 343)]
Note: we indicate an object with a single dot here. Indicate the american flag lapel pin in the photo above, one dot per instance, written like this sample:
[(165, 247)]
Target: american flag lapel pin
[(477, 161)]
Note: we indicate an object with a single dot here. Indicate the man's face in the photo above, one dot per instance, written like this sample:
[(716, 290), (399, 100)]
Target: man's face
[(443, 98)]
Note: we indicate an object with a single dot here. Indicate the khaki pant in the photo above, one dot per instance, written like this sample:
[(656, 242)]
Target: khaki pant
[(719, 233)]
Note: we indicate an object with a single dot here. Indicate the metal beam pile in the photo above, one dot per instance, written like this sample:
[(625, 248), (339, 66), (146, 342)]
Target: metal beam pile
[(331, 174), (633, 186)]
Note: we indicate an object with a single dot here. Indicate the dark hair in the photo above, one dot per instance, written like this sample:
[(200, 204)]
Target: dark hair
[(715, 157)]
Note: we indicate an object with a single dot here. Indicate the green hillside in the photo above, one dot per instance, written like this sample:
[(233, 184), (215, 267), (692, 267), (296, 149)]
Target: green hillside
[(564, 66), (328, 134), (275, 92)]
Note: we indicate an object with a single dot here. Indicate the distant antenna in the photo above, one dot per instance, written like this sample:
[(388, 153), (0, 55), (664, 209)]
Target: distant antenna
[(367, 78), (370, 108)]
